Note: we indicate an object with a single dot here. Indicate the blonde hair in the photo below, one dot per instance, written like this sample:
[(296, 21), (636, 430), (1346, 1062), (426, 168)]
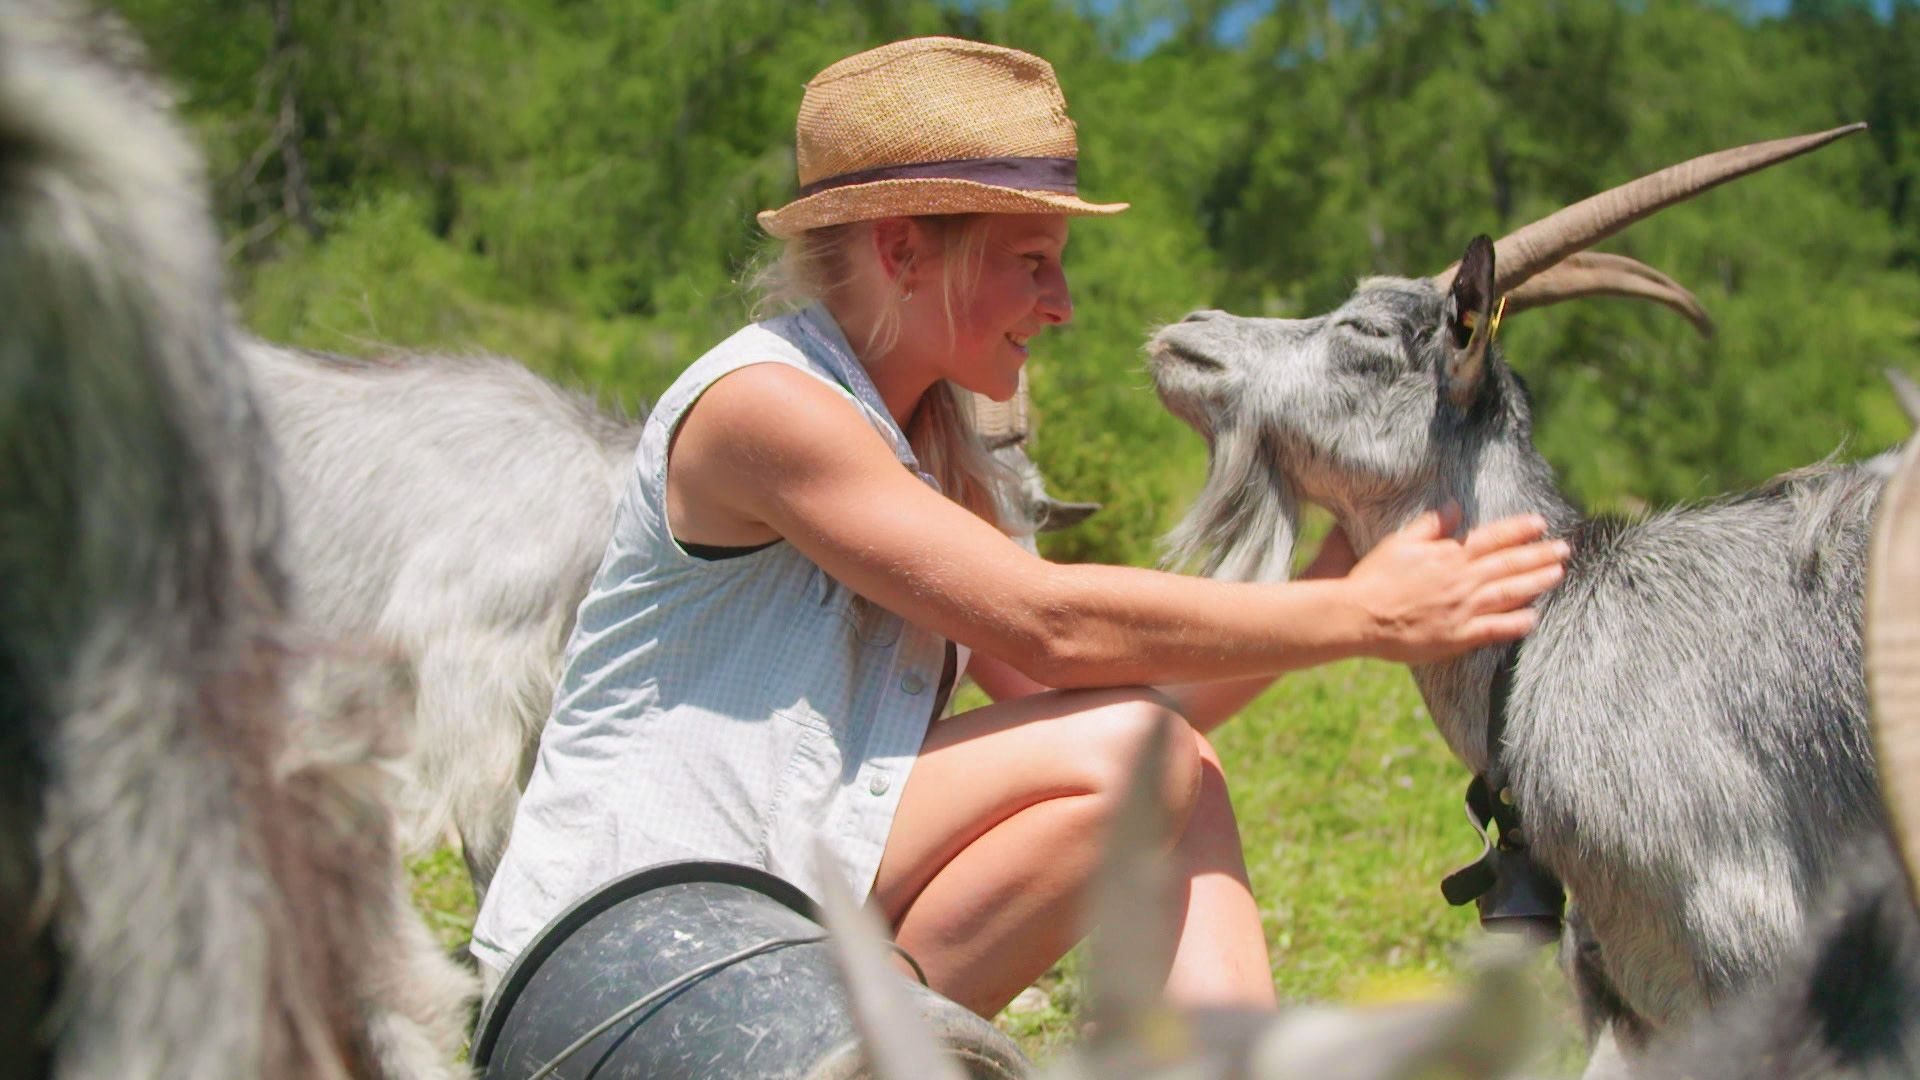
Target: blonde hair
[(818, 263)]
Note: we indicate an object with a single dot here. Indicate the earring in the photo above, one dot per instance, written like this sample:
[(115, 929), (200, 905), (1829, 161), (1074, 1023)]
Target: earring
[(906, 296)]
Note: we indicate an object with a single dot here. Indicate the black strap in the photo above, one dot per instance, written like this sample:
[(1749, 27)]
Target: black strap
[(949, 674), (719, 552), (1514, 893), (1496, 721), (1472, 880), (1489, 797)]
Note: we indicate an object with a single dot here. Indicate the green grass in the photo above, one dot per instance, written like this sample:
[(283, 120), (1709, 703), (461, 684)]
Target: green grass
[(1349, 808)]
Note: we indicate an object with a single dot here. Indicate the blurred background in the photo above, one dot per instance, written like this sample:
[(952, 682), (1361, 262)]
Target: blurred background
[(573, 183)]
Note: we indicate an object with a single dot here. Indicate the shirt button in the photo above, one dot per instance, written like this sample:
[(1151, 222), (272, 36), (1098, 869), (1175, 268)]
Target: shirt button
[(879, 784), (913, 682)]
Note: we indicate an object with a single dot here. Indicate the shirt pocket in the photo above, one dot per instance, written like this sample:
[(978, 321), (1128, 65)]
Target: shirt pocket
[(814, 678)]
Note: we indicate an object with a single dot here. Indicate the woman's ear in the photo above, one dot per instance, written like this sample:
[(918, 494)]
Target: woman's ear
[(896, 245)]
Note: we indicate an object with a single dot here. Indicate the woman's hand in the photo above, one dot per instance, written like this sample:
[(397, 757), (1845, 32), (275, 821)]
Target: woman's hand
[(1430, 596)]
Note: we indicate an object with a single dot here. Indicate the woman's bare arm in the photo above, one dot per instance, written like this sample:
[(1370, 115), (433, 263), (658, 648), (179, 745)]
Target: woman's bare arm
[(773, 445), (1206, 705)]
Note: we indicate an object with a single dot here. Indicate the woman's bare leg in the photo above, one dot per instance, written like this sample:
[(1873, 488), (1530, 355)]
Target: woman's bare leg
[(1002, 823)]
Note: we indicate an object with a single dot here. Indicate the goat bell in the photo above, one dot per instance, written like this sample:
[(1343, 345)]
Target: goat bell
[(1514, 893), (1525, 898)]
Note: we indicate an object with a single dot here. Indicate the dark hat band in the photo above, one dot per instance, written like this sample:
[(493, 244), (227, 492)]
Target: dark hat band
[(1018, 173)]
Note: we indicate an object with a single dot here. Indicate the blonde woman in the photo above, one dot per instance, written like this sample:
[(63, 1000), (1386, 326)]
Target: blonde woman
[(806, 558)]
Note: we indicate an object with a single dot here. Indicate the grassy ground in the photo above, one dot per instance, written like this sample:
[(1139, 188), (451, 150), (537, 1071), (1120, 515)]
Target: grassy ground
[(1350, 813)]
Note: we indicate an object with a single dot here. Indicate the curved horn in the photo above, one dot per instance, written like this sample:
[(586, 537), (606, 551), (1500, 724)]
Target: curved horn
[(1893, 652), (1594, 273), (1532, 248)]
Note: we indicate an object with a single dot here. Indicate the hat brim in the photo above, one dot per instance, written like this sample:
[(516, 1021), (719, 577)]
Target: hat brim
[(908, 198)]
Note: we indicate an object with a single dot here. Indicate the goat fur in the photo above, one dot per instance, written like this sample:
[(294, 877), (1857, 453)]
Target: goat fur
[(198, 870)]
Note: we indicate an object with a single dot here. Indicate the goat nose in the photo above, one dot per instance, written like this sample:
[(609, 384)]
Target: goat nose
[(1203, 316)]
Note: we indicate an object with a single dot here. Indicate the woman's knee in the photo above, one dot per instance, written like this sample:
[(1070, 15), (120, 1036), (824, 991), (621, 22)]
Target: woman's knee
[(1120, 734)]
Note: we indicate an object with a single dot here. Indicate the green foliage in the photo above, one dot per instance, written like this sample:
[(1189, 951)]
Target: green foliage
[(575, 184)]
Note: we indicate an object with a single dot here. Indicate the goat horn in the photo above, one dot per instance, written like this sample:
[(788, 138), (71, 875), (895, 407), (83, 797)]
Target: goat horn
[(1893, 652), (1594, 273), (1530, 249)]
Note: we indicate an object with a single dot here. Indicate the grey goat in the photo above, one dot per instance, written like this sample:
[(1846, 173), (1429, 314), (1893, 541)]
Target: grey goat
[(197, 876), (1687, 728), (454, 509)]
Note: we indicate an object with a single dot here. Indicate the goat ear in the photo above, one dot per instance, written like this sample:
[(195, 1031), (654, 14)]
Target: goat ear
[(1055, 516), (1470, 321)]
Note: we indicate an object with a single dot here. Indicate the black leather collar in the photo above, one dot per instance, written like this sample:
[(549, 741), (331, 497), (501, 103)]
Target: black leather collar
[(1515, 894)]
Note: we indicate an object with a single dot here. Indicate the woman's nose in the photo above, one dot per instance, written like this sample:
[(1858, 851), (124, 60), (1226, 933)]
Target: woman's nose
[(1056, 300)]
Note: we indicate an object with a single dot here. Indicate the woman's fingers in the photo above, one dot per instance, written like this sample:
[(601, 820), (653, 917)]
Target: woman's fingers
[(1443, 597), (1500, 628), (1518, 590), (1520, 560), (1505, 533)]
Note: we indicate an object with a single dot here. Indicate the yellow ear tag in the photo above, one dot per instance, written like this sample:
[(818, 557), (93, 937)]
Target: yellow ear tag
[(1472, 319)]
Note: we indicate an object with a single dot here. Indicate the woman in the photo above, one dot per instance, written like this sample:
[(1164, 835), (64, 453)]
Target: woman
[(809, 524)]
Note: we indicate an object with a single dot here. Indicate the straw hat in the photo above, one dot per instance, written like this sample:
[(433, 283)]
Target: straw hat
[(933, 126)]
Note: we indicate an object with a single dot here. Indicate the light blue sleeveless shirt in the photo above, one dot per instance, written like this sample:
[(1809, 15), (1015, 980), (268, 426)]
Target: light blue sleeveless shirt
[(731, 709)]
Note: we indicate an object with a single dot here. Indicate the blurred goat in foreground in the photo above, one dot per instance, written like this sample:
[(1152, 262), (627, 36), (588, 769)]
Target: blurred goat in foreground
[(197, 877)]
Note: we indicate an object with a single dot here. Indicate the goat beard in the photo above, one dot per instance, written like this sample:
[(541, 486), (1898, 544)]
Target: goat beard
[(1243, 525)]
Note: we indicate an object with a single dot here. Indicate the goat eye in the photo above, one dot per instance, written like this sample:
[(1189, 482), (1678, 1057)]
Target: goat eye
[(1366, 329), (1370, 363)]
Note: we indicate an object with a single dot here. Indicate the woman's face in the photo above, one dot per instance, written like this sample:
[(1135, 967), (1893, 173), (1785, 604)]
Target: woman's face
[(1020, 290)]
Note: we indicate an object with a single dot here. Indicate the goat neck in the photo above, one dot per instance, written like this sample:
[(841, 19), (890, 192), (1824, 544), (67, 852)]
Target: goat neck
[(1497, 478)]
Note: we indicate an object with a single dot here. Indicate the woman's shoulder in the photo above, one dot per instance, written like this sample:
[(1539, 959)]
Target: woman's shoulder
[(768, 341)]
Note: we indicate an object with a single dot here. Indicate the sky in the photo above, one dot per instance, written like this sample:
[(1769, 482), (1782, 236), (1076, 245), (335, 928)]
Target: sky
[(1240, 17)]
